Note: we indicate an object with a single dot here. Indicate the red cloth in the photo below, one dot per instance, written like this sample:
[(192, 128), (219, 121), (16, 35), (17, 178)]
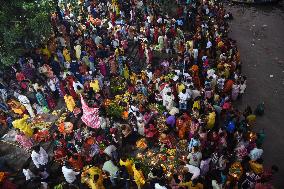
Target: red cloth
[(20, 76), (42, 136), (228, 86), (151, 131), (50, 101), (59, 155), (76, 163)]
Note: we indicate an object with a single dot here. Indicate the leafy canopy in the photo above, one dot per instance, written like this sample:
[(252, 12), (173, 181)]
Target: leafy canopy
[(24, 24)]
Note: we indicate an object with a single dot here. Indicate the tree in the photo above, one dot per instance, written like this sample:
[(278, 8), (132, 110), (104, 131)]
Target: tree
[(24, 24)]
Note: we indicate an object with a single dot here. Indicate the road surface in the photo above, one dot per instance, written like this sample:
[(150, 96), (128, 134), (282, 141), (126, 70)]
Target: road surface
[(259, 33)]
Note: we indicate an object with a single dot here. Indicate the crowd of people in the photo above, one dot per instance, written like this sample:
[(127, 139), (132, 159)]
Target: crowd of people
[(135, 81)]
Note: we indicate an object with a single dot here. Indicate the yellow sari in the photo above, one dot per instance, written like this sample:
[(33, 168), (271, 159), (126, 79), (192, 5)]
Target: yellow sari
[(87, 177), (23, 126), (16, 107)]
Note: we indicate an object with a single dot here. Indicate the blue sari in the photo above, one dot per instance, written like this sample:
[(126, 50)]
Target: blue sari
[(41, 100)]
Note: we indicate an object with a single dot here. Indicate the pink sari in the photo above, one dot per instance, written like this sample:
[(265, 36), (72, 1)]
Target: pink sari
[(90, 115), (24, 141)]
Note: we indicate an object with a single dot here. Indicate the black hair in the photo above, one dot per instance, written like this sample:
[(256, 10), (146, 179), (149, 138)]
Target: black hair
[(36, 148), (175, 177), (275, 168), (96, 177), (138, 166), (187, 176)]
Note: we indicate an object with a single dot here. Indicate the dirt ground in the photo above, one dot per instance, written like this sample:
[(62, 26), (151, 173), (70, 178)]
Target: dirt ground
[(259, 33)]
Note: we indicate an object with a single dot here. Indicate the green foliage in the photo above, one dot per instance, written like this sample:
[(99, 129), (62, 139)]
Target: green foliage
[(114, 110), (24, 24), (117, 85)]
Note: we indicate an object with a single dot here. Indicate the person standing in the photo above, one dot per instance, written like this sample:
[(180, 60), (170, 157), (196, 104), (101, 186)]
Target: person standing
[(113, 171), (256, 152), (42, 101), (138, 176), (26, 102), (28, 173), (69, 174), (39, 156), (70, 103), (183, 98)]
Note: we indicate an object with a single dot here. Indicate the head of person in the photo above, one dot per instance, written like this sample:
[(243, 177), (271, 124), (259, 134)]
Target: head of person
[(274, 169), (79, 88), (195, 148), (258, 145), (96, 177), (138, 166), (175, 177), (187, 176), (36, 148), (194, 182)]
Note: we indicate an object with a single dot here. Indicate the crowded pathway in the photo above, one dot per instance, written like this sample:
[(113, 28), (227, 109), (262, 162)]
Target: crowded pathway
[(148, 100)]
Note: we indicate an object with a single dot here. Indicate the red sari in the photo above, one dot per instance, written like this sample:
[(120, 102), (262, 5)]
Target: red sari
[(50, 101), (20, 77), (70, 88), (156, 35), (196, 81), (60, 155), (228, 86)]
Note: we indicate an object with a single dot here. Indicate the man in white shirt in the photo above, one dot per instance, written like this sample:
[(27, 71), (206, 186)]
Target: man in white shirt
[(112, 170), (115, 43), (195, 93), (243, 87), (69, 174), (194, 157), (195, 55), (28, 173), (109, 150), (164, 92), (98, 40), (39, 156), (158, 186), (221, 83), (209, 44), (183, 98), (195, 171)]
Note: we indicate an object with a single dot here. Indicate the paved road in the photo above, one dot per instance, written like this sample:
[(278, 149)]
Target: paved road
[(259, 33)]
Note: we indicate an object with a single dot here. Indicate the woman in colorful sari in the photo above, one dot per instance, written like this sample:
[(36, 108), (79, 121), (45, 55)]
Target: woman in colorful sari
[(42, 101), (182, 125), (16, 107), (69, 80), (21, 79), (28, 69), (138, 176), (61, 88), (90, 115), (23, 125), (70, 103), (102, 67), (50, 100), (93, 177), (23, 140)]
